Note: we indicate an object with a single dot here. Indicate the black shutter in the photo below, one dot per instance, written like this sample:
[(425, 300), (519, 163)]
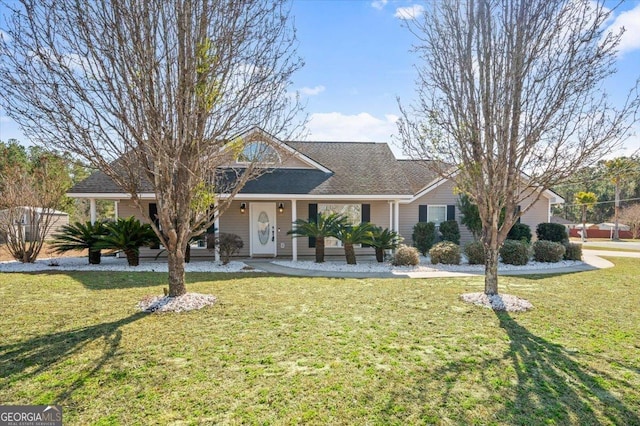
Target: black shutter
[(365, 213), (153, 214), (518, 208), (451, 212), (422, 213), (313, 217)]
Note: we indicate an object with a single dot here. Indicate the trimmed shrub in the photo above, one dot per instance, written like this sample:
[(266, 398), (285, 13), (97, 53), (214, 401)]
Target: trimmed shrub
[(573, 251), (515, 252), (552, 232), (548, 251), (475, 253), (424, 236), (450, 231), (520, 232), (228, 244), (406, 256), (445, 252)]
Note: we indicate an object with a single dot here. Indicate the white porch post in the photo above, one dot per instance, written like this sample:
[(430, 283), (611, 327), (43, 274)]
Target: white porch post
[(294, 241), (115, 208), (92, 210), (396, 216), (391, 215), (216, 224)]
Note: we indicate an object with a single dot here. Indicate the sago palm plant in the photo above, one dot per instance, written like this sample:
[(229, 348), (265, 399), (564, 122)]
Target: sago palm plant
[(81, 236), (325, 226), (351, 235), (381, 240), (128, 235)]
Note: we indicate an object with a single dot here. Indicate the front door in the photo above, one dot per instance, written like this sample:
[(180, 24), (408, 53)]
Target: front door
[(263, 229)]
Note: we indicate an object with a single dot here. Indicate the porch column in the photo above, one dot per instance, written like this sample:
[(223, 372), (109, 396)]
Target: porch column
[(115, 208), (92, 210), (391, 215), (216, 224), (294, 241), (396, 216)]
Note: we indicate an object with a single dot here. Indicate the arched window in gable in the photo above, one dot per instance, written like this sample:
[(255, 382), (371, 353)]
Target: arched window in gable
[(259, 152)]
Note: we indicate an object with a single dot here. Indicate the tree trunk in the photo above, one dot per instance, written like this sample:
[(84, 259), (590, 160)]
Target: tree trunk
[(379, 255), (584, 224), (175, 261), (133, 257), (350, 253), (94, 257), (319, 249), (616, 228), (492, 255)]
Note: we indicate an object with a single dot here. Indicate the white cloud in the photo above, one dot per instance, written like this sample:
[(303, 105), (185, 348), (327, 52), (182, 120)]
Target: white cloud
[(410, 12), (312, 91), (379, 4), (630, 20), (363, 127)]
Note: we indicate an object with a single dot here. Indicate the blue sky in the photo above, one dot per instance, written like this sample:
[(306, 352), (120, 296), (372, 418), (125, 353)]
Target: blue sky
[(358, 61)]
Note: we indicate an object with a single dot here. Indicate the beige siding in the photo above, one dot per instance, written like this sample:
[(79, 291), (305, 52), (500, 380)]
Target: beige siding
[(444, 195)]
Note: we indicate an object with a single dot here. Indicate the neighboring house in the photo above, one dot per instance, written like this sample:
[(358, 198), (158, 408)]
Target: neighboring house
[(362, 180), (22, 217), (600, 230)]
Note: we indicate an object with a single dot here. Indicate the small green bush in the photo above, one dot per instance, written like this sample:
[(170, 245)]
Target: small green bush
[(406, 256), (552, 232), (573, 251), (548, 251), (445, 252), (424, 236), (520, 232), (515, 252), (475, 253), (450, 231)]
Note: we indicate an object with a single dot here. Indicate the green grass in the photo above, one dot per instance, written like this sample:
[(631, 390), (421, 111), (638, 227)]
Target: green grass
[(621, 249), (281, 350)]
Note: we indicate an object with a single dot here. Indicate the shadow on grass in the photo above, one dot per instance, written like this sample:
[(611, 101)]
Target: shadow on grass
[(118, 280), (554, 387), (40, 355)]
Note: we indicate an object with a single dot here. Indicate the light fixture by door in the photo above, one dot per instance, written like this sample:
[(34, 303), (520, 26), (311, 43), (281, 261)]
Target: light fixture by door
[(243, 207), (281, 207)]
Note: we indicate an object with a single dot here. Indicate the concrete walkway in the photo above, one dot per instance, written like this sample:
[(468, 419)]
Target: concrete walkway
[(591, 258)]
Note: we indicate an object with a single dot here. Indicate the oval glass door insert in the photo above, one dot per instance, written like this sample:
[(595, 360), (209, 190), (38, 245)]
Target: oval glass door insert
[(263, 228)]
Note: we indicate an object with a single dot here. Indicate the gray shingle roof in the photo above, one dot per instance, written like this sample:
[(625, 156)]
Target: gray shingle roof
[(358, 168), (417, 173)]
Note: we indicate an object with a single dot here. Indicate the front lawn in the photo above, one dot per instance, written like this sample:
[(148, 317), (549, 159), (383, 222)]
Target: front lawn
[(282, 350)]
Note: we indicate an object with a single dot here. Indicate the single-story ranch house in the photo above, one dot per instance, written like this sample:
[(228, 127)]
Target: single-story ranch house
[(362, 180)]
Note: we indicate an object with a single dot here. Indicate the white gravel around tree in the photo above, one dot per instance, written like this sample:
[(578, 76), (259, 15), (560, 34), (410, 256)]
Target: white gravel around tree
[(498, 302), (186, 302), (110, 263)]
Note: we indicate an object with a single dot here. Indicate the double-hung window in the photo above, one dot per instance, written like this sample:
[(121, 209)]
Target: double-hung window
[(353, 212)]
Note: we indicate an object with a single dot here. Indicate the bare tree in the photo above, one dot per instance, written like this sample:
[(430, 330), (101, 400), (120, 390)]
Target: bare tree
[(630, 216), (510, 102), (154, 93), (30, 201)]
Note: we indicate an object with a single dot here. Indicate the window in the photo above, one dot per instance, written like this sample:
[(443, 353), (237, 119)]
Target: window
[(353, 212), (436, 214), (259, 152)]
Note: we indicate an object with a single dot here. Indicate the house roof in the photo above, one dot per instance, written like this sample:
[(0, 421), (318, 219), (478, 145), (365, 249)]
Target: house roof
[(356, 168), (417, 173), (362, 168)]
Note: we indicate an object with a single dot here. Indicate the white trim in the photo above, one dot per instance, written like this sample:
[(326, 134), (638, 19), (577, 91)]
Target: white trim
[(294, 241), (396, 217), (283, 145), (92, 210), (151, 196)]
